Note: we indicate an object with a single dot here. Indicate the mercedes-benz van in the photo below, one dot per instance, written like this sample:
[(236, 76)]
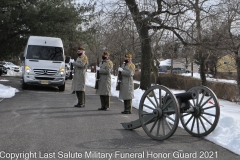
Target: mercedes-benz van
[(43, 62)]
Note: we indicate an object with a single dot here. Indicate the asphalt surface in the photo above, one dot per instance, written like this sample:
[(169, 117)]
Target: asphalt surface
[(41, 123)]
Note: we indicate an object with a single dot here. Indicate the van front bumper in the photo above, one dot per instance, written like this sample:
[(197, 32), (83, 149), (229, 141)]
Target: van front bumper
[(46, 81)]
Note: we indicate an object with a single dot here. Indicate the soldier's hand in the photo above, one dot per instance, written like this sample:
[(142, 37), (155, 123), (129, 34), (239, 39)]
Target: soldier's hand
[(120, 69), (97, 68)]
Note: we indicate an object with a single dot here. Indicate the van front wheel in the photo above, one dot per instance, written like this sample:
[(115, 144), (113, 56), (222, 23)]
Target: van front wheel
[(24, 85), (61, 88)]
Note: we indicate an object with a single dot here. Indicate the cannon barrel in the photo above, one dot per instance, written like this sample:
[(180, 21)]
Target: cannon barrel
[(184, 97)]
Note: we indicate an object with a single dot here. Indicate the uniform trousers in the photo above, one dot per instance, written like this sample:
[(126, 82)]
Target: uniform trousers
[(80, 97), (105, 101)]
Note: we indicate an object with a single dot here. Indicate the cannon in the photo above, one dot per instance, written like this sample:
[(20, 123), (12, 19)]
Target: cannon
[(160, 111)]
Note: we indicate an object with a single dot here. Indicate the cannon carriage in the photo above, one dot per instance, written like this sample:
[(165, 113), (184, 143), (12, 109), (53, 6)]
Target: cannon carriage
[(160, 111)]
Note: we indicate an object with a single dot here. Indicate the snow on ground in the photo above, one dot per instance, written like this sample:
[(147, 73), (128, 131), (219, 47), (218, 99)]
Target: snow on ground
[(197, 75), (8, 91)]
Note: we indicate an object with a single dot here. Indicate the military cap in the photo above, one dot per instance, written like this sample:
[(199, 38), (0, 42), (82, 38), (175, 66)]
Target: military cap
[(106, 53), (81, 48), (128, 55)]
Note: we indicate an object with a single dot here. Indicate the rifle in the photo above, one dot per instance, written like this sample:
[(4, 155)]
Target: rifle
[(71, 71), (97, 79), (98, 76), (119, 79)]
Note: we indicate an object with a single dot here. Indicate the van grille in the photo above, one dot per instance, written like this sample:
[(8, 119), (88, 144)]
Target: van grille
[(44, 78), (45, 72)]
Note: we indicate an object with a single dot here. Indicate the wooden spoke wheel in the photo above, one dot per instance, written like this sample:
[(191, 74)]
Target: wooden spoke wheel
[(159, 112), (203, 115)]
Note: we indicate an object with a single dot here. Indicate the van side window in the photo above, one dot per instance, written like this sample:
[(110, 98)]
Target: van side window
[(45, 53)]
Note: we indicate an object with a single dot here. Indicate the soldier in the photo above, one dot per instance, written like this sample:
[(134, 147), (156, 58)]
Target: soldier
[(127, 87), (78, 83), (104, 83)]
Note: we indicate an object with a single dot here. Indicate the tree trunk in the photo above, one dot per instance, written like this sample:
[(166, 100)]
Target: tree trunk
[(202, 69), (146, 59), (199, 40), (146, 55)]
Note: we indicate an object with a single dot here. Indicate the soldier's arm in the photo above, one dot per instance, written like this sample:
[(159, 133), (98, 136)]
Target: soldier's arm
[(129, 71), (107, 69), (82, 63)]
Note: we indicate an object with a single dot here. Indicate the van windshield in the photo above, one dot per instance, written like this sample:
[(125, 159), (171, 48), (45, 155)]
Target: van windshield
[(45, 53)]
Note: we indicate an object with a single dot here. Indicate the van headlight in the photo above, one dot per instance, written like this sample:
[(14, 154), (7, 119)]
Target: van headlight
[(27, 69), (62, 71)]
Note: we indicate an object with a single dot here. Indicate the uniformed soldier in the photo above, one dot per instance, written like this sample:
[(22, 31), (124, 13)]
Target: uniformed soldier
[(127, 87), (78, 83), (104, 83)]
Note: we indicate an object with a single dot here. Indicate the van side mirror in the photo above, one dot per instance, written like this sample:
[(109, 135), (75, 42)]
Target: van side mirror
[(67, 59), (22, 56)]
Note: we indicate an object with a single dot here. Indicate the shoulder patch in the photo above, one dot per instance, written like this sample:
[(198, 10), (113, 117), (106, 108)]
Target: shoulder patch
[(132, 66), (110, 64), (84, 59)]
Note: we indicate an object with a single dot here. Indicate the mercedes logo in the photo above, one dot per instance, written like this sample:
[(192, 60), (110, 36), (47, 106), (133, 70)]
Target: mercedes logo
[(45, 71)]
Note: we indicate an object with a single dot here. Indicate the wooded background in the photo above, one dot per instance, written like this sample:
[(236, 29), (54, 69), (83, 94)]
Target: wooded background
[(196, 31)]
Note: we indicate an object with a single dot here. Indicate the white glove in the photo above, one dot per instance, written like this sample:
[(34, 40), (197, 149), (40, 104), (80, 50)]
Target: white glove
[(120, 69), (97, 68), (71, 60)]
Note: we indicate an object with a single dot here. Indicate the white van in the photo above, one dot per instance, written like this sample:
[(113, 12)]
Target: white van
[(43, 62)]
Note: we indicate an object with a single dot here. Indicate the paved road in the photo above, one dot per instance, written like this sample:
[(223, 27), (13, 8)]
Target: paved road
[(41, 123)]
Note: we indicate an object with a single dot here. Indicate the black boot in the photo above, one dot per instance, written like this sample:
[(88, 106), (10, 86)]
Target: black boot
[(102, 99), (77, 94), (126, 112), (105, 102), (127, 107)]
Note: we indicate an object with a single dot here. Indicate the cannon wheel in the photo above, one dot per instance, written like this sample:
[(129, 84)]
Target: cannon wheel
[(159, 112), (203, 115)]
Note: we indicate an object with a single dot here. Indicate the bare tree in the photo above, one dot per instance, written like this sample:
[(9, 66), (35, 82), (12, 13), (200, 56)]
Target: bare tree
[(187, 55), (193, 22), (231, 21), (155, 15)]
